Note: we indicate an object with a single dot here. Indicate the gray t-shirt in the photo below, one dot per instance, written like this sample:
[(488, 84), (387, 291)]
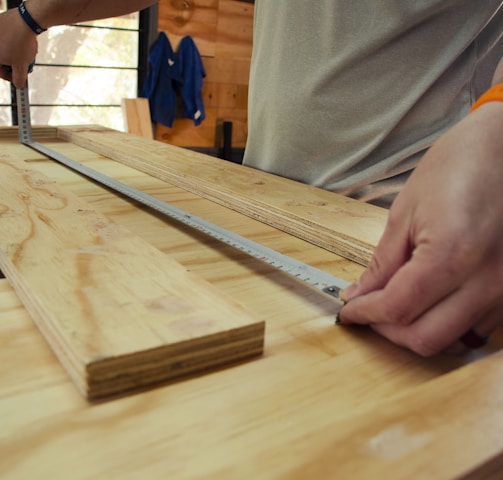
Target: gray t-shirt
[(348, 95)]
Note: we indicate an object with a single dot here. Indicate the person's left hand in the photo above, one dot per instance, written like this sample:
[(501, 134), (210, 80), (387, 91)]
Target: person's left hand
[(437, 272), (18, 48)]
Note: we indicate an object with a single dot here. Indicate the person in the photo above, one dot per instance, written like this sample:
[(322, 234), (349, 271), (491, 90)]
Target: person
[(372, 100)]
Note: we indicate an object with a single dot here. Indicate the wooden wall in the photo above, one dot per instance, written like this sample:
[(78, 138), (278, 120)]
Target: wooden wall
[(222, 31)]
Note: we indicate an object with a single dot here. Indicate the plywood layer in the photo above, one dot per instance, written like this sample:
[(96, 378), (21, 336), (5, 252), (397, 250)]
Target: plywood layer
[(342, 225), (118, 313)]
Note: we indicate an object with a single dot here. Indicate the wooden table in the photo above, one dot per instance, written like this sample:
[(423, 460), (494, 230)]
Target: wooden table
[(322, 402)]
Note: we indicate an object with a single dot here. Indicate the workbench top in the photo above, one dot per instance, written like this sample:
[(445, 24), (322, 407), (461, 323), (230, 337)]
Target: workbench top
[(322, 402)]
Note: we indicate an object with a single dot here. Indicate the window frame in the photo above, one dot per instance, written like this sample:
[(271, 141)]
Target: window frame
[(147, 34)]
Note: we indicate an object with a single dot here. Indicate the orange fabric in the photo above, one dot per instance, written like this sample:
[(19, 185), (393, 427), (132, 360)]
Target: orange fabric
[(495, 93)]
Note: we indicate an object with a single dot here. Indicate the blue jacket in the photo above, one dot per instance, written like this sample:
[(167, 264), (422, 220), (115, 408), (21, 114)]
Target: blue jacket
[(192, 74), (159, 85)]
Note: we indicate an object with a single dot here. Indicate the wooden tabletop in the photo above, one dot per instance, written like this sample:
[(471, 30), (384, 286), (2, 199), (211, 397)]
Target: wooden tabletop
[(322, 402)]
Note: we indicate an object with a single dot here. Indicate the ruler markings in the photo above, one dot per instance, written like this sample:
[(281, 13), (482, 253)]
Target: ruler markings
[(324, 281)]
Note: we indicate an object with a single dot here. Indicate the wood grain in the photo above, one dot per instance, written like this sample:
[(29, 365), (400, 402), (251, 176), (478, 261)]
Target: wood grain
[(119, 314), (457, 416), (38, 132), (323, 402), (342, 225), (234, 29), (136, 114), (195, 18)]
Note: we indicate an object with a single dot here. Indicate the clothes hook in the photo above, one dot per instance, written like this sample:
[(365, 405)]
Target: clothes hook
[(182, 4)]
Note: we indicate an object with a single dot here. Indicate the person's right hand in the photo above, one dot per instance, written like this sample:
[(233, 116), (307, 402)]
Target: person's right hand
[(437, 272), (18, 47)]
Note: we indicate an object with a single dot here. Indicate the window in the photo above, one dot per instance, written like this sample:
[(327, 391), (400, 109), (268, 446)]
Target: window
[(81, 74)]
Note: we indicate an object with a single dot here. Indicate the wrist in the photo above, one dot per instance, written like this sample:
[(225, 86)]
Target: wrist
[(494, 94), (29, 20), (23, 32)]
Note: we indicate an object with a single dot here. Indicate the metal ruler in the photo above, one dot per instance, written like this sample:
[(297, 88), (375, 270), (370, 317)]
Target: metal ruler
[(325, 282)]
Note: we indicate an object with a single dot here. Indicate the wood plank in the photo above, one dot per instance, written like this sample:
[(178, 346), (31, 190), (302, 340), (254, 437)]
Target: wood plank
[(119, 314), (342, 225), (136, 114)]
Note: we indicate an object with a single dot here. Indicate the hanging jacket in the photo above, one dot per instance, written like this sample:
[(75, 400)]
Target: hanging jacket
[(159, 85), (192, 74)]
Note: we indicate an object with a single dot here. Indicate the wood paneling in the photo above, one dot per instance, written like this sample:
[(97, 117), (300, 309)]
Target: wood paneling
[(195, 18), (226, 70), (186, 134), (223, 32), (235, 29)]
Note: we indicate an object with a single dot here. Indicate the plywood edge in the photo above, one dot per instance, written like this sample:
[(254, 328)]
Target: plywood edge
[(167, 364), (38, 132), (345, 226)]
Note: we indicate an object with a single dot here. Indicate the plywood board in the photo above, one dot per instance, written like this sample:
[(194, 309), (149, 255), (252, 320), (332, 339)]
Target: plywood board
[(119, 314), (136, 114), (342, 225)]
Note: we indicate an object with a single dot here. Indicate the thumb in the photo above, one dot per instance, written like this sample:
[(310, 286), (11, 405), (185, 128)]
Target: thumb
[(392, 251)]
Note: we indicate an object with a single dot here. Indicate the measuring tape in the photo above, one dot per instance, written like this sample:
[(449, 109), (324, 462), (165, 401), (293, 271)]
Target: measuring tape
[(325, 282)]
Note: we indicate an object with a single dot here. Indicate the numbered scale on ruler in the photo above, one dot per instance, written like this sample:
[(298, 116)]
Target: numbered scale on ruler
[(313, 276)]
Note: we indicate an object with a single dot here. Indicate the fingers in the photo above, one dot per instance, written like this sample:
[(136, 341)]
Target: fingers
[(440, 328), (392, 251), (415, 287), (483, 328), (17, 75), (20, 74), (6, 73)]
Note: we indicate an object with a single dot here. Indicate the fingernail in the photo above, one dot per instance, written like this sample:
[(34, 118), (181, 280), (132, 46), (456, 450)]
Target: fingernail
[(345, 294)]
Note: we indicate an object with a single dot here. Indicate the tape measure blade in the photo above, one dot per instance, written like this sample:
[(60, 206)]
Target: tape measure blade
[(23, 114), (320, 279)]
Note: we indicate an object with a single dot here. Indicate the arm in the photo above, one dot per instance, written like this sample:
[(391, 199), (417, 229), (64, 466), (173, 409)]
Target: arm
[(49, 13), (18, 44), (438, 270)]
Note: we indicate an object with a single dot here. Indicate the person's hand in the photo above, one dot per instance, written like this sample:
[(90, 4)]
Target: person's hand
[(18, 48), (437, 272)]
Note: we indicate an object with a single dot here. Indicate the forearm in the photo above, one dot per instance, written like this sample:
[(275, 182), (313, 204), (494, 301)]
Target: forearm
[(49, 13)]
